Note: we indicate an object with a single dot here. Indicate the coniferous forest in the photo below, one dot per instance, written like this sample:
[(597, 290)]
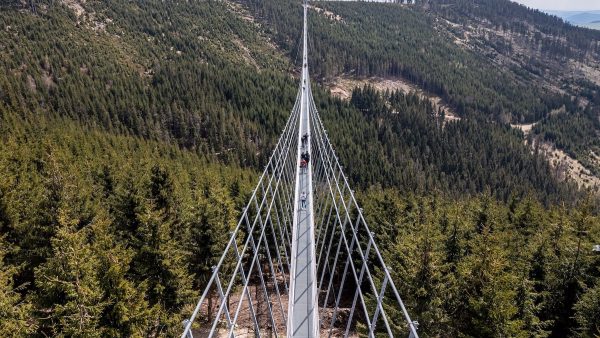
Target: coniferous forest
[(133, 132)]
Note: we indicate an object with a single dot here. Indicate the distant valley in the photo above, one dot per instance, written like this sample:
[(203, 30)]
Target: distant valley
[(589, 19)]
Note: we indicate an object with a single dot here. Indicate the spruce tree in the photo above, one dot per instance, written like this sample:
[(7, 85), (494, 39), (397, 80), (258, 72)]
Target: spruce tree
[(16, 318), (160, 261), (69, 293), (213, 219), (587, 313)]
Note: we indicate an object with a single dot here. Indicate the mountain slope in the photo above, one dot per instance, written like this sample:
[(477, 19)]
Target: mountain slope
[(164, 76), (158, 74), (549, 53), (488, 60)]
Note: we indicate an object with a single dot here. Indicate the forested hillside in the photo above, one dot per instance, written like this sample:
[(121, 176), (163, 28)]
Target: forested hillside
[(478, 268), (102, 235), (148, 69), (415, 151), (365, 41), (132, 132), (487, 59), (543, 50)]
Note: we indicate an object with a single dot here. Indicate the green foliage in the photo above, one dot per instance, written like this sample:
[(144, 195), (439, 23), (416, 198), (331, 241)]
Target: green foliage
[(475, 267), (419, 44), (392, 40), (588, 313), (123, 130), (15, 312), (554, 36), (114, 258), (126, 77), (577, 133), (213, 219), (418, 151), (141, 77), (68, 283)]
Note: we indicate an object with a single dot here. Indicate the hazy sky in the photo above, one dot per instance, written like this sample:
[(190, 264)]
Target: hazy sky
[(563, 5)]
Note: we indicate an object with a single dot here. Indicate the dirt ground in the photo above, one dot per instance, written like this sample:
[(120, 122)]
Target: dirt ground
[(245, 323), (342, 87), (567, 167)]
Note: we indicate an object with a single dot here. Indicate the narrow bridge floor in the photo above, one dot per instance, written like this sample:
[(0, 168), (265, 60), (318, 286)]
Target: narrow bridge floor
[(304, 297)]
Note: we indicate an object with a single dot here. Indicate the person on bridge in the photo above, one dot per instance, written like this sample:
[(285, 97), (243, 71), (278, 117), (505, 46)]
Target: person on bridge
[(304, 140), (306, 157), (303, 200)]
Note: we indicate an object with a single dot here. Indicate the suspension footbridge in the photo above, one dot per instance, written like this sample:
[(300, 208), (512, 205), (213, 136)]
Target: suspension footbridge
[(302, 261)]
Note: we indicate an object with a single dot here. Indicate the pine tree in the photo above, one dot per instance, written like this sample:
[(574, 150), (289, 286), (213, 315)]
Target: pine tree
[(587, 313), (213, 219), (69, 292), (15, 312)]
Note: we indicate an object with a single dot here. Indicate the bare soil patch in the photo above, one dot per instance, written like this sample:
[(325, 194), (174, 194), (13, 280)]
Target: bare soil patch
[(588, 71), (245, 322), (525, 128), (568, 168), (330, 15), (245, 53), (342, 87), (75, 6)]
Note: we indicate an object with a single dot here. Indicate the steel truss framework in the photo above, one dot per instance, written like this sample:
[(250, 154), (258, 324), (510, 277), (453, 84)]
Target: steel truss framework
[(251, 289)]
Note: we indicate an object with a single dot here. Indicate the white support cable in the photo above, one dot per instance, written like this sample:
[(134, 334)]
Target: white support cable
[(358, 286), (349, 251), (260, 273), (278, 191), (335, 260), (283, 220), (303, 296), (254, 259), (379, 302), (325, 241), (269, 259), (329, 149), (286, 135), (245, 280), (342, 284), (279, 248), (411, 325), (354, 235), (347, 214), (363, 303), (360, 279), (221, 297), (259, 208), (257, 217)]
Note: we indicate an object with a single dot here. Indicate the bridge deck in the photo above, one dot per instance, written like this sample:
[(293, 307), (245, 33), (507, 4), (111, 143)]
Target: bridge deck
[(303, 287), (303, 310)]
